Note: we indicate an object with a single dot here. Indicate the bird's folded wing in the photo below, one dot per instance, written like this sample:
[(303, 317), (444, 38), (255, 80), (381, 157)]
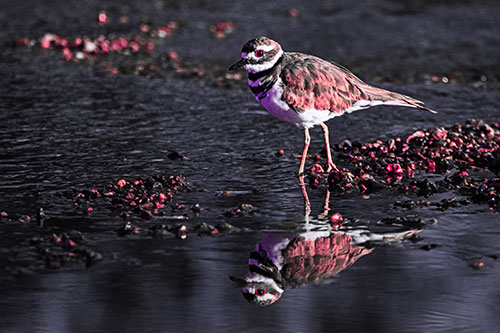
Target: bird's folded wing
[(312, 83)]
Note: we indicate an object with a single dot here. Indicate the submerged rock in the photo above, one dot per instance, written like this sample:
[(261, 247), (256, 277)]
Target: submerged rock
[(242, 210), (58, 250)]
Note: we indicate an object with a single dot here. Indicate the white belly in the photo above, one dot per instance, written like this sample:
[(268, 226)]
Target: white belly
[(278, 108)]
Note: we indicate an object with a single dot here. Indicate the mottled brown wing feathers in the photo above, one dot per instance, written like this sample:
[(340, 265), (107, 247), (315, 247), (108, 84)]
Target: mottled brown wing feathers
[(310, 82)]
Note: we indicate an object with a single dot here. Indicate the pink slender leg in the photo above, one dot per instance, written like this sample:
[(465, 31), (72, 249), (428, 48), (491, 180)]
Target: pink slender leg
[(307, 140), (331, 165)]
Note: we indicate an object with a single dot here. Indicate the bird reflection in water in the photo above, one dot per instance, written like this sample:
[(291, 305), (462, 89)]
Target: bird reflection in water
[(307, 203), (282, 261)]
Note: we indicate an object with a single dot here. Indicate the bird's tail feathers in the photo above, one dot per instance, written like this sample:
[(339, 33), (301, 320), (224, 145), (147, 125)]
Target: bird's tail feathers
[(392, 98)]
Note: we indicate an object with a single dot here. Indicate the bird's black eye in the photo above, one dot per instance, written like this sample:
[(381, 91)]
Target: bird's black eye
[(259, 53), (260, 292)]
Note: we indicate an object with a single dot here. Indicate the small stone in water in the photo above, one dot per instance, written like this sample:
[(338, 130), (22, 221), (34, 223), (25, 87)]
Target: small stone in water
[(196, 208), (478, 265), (429, 247), (102, 18), (336, 221), (175, 156)]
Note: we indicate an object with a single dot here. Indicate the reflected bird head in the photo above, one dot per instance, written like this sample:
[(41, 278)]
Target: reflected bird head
[(258, 289)]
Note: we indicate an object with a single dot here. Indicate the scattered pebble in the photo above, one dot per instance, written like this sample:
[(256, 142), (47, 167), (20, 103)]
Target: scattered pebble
[(225, 227), (293, 12), (40, 216), (336, 221), (451, 151), (133, 53), (242, 210), (196, 208), (181, 231), (478, 265), (173, 155), (429, 247), (127, 229), (57, 250), (102, 18), (409, 222), (143, 197), (205, 229), (222, 29)]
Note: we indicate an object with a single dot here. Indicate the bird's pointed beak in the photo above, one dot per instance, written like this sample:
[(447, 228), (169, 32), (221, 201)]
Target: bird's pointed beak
[(237, 65)]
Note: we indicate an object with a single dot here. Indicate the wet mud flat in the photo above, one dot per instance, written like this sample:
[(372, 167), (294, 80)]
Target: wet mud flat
[(137, 175)]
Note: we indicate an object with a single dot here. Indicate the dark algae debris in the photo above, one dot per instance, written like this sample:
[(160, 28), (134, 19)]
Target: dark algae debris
[(466, 155)]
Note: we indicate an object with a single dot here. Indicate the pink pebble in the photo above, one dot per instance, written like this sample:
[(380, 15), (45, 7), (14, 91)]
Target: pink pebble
[(22, 41), (173, 25), (394, 169), (336, 221), (134, 46), (102, 18), (150, 46), (417, 134), (46, 40), (67, 54), (317, 169), (336, 218), (173, 56)]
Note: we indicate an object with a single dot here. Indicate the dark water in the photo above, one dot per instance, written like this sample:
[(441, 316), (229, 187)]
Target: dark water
[(65, 127)]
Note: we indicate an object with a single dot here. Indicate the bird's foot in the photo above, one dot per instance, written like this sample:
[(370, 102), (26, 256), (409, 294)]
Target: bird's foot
[(331, 167), (323, 215)]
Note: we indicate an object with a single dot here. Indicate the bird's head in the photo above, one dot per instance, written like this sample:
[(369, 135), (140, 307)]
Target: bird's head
[(258, 55), (258, 289)]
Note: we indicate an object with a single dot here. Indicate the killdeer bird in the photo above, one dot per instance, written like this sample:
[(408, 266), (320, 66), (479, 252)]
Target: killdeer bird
[(305, 90)]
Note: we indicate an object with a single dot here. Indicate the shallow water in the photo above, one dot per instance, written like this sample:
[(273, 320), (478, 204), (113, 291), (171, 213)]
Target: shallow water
[(63, 127)]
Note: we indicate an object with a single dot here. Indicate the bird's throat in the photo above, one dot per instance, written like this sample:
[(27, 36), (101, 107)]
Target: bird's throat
[(260, 83)]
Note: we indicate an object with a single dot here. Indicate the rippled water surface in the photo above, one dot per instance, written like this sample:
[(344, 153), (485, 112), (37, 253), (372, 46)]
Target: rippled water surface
[(64, 128)]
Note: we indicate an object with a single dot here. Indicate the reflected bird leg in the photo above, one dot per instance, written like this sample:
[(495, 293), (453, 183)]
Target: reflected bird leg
[(306, 219), (307, 140), (326, 206), (307, 204), (331, 165)]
